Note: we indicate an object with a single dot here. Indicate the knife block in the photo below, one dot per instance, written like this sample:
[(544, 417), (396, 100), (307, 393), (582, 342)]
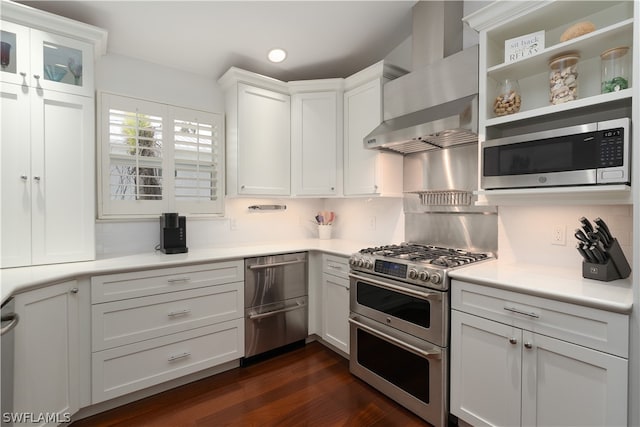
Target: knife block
[(615, 268)]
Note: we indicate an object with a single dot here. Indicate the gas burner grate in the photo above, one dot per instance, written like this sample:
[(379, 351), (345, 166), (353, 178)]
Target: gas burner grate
[(426, 254)]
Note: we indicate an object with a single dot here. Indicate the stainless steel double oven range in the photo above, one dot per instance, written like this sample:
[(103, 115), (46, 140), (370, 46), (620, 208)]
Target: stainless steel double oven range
[(399, 323)]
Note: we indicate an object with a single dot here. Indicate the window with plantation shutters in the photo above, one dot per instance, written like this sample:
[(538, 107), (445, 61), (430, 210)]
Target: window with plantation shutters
[(196, 154), (158, 158)]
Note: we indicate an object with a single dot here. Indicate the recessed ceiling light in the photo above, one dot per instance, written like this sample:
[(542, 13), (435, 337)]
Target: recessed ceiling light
[(277, 55)]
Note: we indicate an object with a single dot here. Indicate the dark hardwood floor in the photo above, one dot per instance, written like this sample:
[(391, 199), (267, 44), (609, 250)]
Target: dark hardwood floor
[(309, 386)]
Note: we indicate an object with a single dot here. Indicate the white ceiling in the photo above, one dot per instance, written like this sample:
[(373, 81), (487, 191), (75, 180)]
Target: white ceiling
[(324, 39)]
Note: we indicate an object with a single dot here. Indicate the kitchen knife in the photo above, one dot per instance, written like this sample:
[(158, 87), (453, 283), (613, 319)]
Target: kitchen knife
[(603, 228), (586, 224), (583, 253), (598, 254), (590, 257), (579, 234), (602, 236)]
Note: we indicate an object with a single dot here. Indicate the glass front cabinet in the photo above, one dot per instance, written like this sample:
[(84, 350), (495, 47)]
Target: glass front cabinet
[(45, 61)]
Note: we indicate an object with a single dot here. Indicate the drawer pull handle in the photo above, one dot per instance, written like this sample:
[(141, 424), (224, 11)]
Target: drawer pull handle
[(524, 313), (179, 356), (513, 341), (179, 280), (179, 313), (335, 266)]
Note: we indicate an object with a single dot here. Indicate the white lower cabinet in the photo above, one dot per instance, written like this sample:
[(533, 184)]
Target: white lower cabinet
[(153, 326), (507, 371), (335, 302), (122, 370), (46, 374)]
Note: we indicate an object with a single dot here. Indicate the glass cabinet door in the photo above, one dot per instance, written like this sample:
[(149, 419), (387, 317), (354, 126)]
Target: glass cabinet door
[(14, 53), (62, 64)]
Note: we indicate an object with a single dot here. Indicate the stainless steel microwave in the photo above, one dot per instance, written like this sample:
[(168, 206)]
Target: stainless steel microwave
[(589, 154)]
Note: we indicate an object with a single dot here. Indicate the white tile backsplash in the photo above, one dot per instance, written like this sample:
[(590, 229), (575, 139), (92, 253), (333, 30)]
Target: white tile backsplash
[(242, 226), (524, 232)]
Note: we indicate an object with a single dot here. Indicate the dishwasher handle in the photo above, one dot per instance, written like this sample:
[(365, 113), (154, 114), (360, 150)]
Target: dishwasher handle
[(13, 320), (276, 264), (299, 304)]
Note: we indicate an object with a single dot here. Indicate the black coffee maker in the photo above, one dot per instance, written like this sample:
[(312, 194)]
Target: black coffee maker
[(173, 233)]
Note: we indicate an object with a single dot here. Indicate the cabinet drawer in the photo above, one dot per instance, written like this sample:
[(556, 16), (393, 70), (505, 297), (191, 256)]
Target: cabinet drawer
[(151, 282), (336, 266), (122, 370), (597, 329), (124, 322)]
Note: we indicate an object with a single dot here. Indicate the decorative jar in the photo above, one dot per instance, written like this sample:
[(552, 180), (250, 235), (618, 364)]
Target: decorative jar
[(563, 78), (508, 99), (614, 69)]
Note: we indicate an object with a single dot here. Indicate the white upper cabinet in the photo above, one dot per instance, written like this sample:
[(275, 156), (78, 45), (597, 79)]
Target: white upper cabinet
[(305, 138), (15, 56), (48, 138), (315, 138), (45, 60), (264, 141), (258, 127), (367, 172)]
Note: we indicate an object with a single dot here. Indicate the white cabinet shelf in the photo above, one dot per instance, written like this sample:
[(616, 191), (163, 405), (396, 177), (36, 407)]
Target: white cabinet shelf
[(599, 101), (589, 46)]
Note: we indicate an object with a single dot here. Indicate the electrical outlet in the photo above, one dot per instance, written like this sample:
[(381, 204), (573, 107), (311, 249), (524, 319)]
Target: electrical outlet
[(233, 225), (372, 223), (559, 235)]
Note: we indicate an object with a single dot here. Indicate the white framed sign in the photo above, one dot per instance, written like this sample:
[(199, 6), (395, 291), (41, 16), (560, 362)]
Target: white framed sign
[(521, 47)]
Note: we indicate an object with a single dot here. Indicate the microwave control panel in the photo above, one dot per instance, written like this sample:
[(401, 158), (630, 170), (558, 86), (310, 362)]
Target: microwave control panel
[(611, 148)]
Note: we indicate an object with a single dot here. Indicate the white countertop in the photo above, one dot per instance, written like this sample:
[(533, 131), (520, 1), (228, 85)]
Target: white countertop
[(562, 284), (14, 280)]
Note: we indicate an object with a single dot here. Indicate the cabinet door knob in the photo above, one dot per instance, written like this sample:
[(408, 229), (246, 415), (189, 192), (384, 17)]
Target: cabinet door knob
[(528, 345), (36, 76), (23, 177), (74, 290), (513, 341), (36, 178)]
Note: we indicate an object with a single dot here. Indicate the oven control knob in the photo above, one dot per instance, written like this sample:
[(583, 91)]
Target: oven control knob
[(352, 261), (435, 278), (424, 276), (360, 262), (413, 273), (368, 264)]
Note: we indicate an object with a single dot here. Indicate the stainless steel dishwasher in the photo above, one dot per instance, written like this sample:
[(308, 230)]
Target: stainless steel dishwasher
[(276, 302)]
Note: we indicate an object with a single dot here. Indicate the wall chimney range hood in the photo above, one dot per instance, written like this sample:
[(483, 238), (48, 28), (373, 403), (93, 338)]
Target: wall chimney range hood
[(436, 105)]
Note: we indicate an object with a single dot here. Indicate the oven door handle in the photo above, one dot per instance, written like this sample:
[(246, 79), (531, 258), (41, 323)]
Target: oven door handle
[(433, 354), (424, 295)]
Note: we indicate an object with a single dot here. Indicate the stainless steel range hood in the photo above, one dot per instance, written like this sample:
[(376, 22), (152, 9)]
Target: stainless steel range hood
[(436, 105)]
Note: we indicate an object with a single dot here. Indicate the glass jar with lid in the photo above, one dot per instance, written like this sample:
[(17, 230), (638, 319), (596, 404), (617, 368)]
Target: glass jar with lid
[(563, 78), (614, 69), (508, 99)]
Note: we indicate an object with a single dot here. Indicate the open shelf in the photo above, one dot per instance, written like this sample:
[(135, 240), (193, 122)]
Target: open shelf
[(600, 100), (588, 46)]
